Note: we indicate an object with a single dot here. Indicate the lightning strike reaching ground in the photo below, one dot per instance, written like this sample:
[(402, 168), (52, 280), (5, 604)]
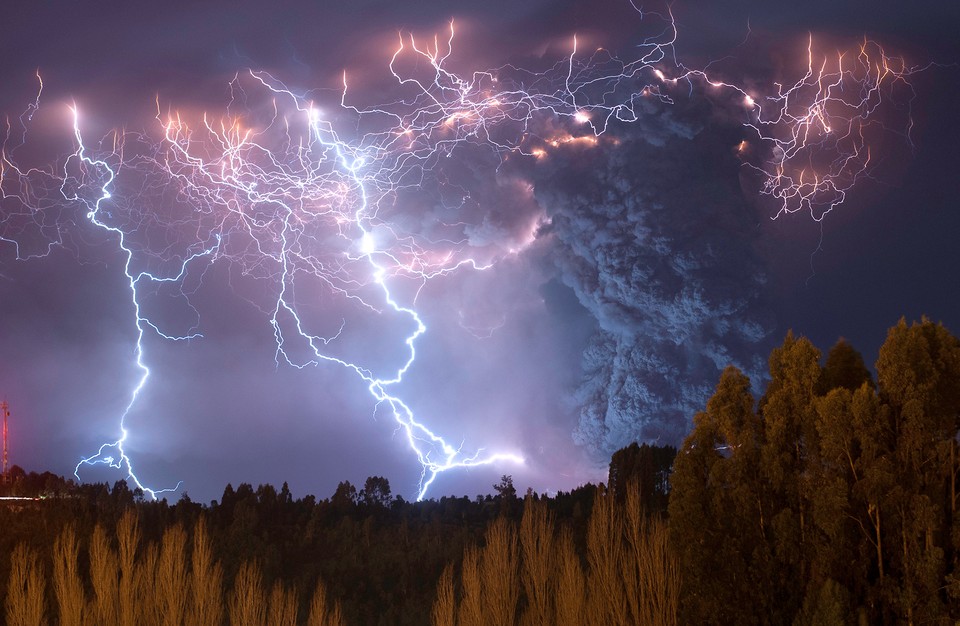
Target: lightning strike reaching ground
[(306, 201)]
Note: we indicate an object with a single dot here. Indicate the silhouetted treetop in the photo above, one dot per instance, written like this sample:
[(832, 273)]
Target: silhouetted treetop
[(844, 369)]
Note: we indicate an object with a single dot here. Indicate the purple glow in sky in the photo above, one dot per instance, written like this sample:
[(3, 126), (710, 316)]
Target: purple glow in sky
[(586, 241)]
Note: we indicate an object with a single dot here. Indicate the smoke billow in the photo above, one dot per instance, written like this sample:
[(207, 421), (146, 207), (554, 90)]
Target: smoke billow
[(651, 232)]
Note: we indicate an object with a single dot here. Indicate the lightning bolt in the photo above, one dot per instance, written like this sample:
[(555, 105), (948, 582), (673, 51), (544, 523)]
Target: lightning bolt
[(291, 199), (113, 454)]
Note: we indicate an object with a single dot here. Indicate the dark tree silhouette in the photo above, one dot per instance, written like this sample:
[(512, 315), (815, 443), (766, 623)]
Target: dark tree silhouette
[(376, 492), (650, 466)]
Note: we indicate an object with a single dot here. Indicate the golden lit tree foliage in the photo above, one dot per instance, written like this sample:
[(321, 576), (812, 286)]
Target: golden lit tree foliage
[(128, 542), (283, 606), (571, 583), (537, 530), (145, 579), (26, 601), (444, 611), (206, 581), (632, 575), (659, 577), (172, 580), (321, 613), (151, 585), (499, 573), (248, 605), (853, 517), (470, 612), (104, 578), (606, 600), (67, 584)]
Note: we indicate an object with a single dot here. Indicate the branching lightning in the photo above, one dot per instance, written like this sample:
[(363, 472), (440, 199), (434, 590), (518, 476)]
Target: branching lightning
[(818, 128), (303, 200)]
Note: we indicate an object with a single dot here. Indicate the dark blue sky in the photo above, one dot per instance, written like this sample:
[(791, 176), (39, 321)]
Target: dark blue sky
[(559, 353)]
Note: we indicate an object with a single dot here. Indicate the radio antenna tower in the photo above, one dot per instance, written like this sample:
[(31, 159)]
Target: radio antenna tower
[(6, 413)]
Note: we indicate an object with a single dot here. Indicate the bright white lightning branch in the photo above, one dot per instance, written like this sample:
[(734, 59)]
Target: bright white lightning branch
[(113, 454)]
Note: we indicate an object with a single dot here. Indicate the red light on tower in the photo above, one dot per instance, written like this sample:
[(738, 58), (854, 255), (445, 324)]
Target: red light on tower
[(6, 413)]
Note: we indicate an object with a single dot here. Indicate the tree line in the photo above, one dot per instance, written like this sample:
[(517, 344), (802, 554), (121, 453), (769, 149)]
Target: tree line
[(829, 499)]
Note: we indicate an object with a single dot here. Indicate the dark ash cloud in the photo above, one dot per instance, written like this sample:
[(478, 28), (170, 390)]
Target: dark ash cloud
[(653, 236)]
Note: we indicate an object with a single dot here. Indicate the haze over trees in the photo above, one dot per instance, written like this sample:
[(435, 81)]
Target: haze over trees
[(830, 499)]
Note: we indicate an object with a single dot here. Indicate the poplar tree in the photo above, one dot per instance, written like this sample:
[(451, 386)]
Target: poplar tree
[(919, 375), (789, 450), (25, 604), (104, 578), (718, 518), (67, 584)]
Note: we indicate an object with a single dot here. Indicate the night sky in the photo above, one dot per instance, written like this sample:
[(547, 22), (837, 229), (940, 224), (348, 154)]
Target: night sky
[(624, 272)]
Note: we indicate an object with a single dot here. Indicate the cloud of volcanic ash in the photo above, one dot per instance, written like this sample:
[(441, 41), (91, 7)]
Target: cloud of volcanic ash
[(651, 231)]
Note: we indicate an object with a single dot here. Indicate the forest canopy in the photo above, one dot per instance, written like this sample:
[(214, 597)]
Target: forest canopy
[(833, 497)]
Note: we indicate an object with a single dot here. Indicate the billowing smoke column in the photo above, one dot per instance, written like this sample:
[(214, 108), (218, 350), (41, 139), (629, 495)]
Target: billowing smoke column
[(354, 209), (654, 238), (657, 242)]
